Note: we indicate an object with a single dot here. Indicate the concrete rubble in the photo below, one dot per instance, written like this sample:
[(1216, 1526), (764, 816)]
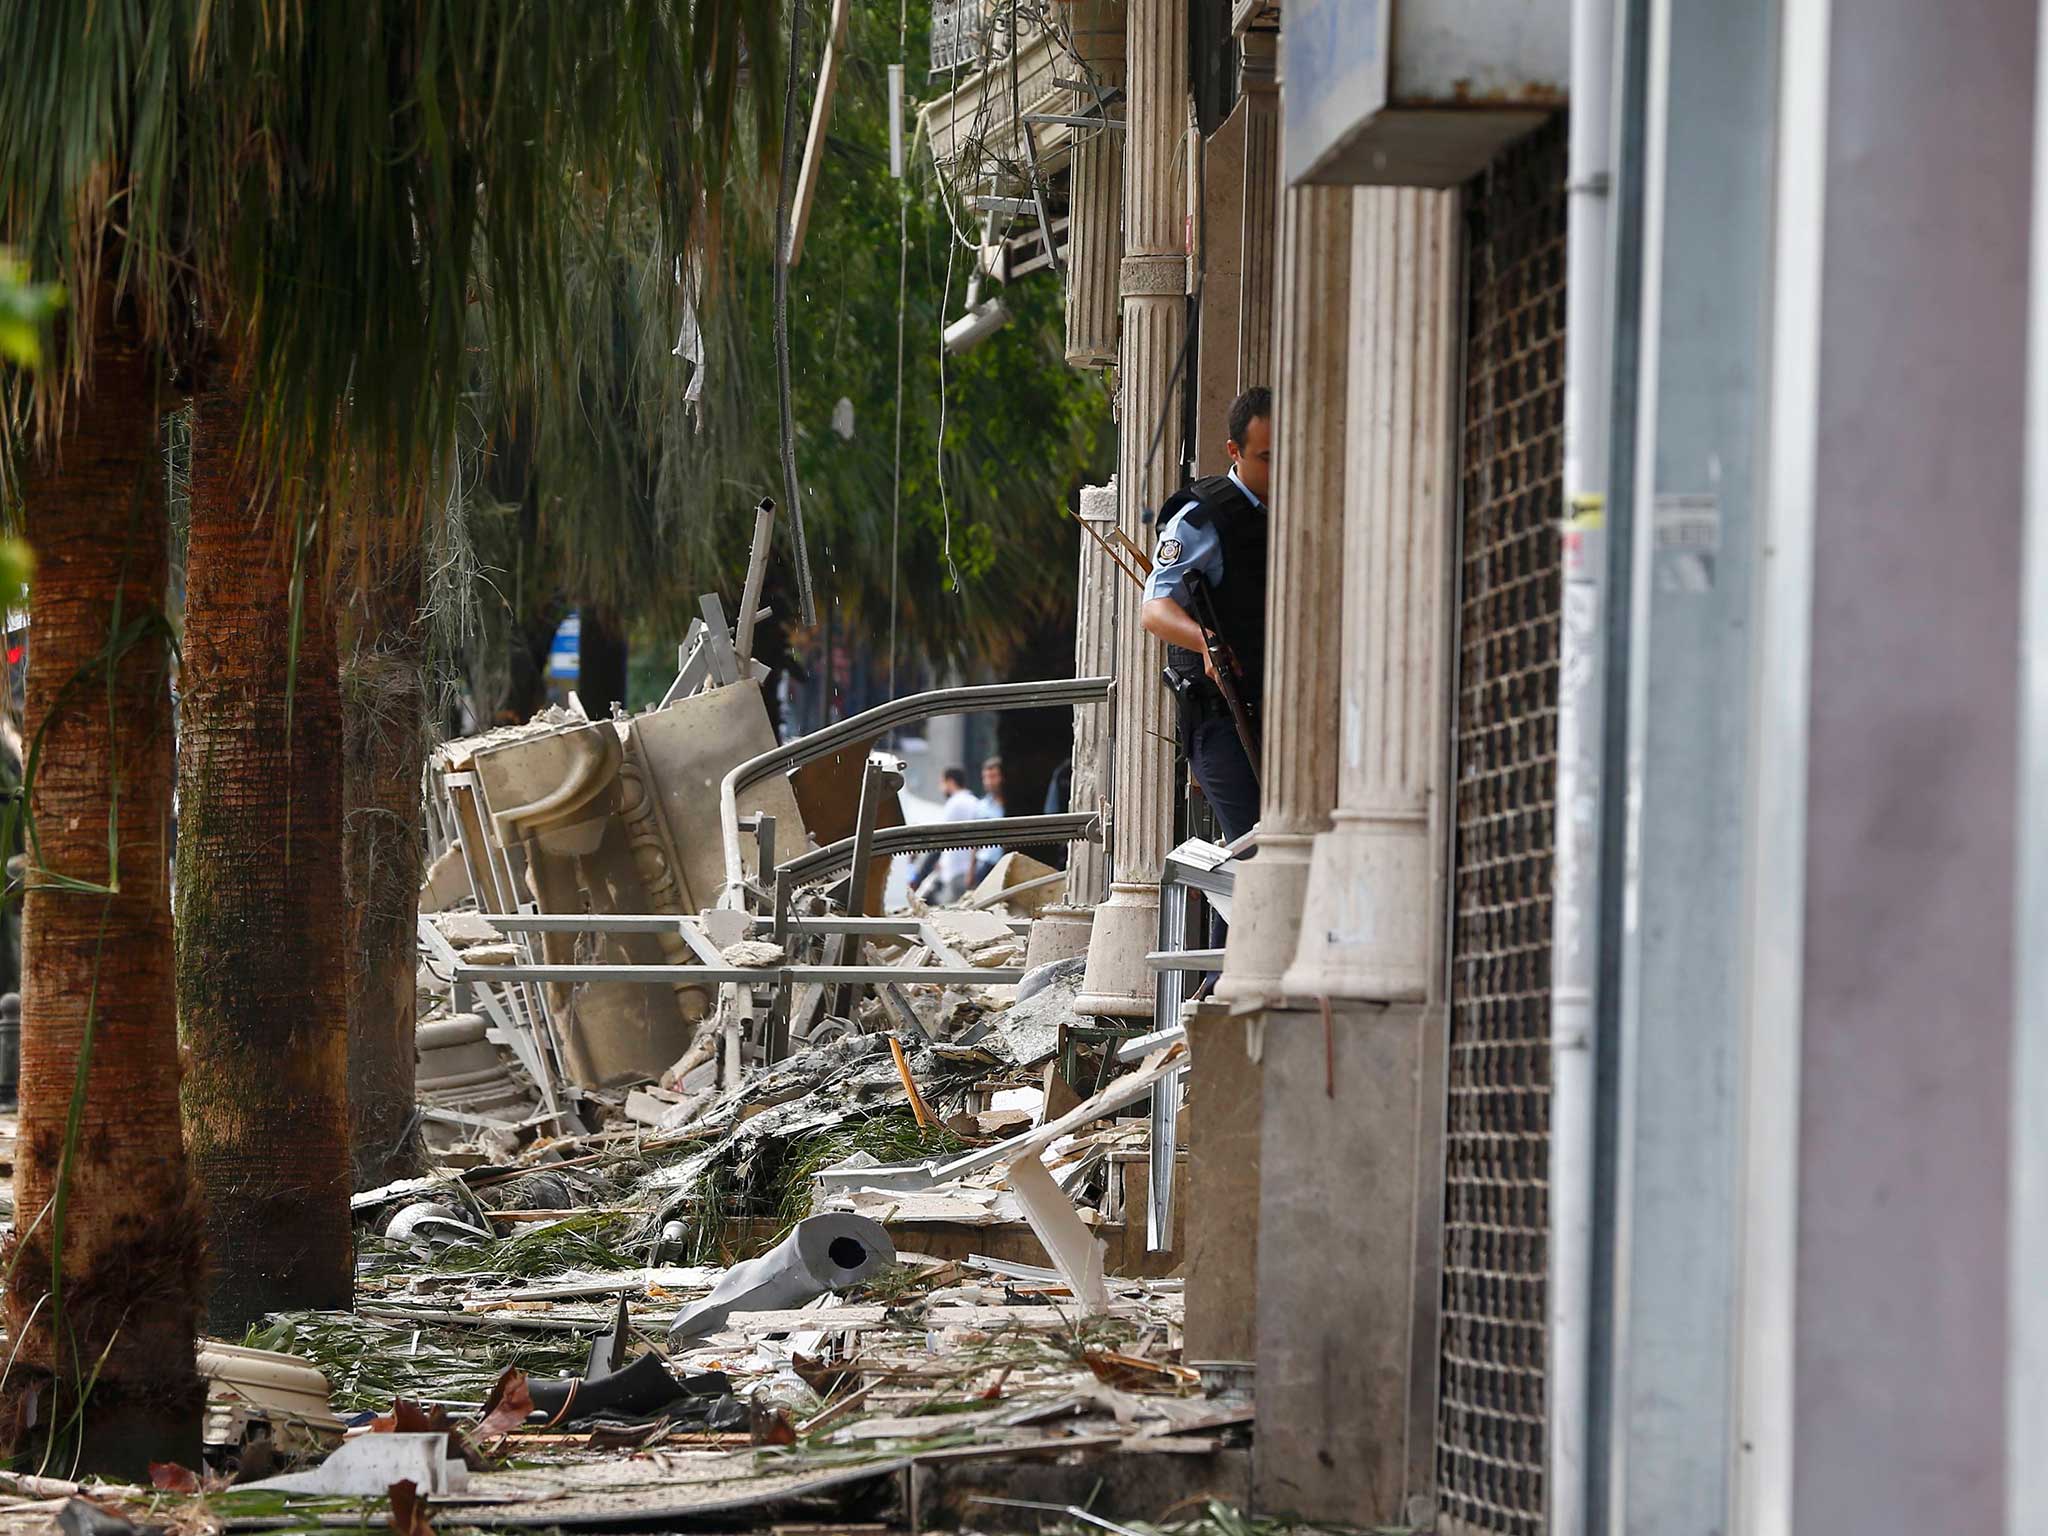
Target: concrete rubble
[(735, 1250), (908, 1391)]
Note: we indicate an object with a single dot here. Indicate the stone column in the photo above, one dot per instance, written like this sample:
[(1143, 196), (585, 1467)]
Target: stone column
[(1154, 285), (1095, 248), (1061, 931), (1260, 86), (1217, 218), (1367, 917), (1094, 656), (1304, 587)]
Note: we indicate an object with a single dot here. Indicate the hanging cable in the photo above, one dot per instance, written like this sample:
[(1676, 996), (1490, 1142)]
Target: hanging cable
[(939, 448), (902, 294), (807, 601)]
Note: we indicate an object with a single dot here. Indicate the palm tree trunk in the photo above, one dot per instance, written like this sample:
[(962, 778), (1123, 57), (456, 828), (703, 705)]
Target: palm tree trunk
[(104, 1271), (262, 989), (384, 734)]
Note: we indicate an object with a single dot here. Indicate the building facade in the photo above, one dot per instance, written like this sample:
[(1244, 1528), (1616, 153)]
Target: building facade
[(1642, 996)]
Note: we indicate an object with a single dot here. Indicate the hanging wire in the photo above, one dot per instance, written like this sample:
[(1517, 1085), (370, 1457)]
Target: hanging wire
[(939, 447), (807, 601), (902, 293), (975, 149)]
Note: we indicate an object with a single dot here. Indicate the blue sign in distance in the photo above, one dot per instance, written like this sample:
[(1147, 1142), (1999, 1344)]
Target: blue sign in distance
[(565, 655)]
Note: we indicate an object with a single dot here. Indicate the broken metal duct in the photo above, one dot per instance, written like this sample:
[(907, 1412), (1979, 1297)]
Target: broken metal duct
[(872, 723), (976, 326), (981, 320), (829, 1252)]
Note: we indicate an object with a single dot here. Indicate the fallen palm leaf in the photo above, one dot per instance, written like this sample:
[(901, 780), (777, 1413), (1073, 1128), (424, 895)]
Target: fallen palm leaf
[(1134, 1373), (508, 1406), (409, 1511)]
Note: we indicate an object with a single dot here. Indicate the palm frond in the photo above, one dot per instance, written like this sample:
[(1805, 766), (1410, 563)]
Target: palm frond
[(339, 187)]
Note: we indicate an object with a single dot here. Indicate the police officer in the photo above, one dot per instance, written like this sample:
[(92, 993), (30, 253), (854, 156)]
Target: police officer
[(1214, 537)]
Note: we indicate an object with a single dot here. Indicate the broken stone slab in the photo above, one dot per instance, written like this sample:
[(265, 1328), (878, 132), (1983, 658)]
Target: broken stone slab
[(1023, 884), (1028, 1031), (82, 1517), (650, 1106), (965, 931), (446, 882), (367, 1466), (283, 1394), (1003, 1122), (626, 809), (463, 928), (752, 952), (690, 1103)]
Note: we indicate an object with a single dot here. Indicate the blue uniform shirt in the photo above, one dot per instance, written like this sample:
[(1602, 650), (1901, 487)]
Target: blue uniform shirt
[(1187, 549)]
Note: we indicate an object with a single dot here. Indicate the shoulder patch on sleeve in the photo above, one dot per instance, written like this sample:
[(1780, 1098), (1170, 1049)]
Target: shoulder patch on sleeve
[(1169, 551)]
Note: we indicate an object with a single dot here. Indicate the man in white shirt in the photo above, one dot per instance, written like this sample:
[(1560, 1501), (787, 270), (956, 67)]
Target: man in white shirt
[(990, 807), (954, 866)]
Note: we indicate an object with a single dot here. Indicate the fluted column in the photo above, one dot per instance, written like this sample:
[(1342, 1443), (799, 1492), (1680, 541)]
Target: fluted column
[(1255, 338), (1095, 249), (1154, 287), (1094, 655), (1304, 588), (1367, 920)]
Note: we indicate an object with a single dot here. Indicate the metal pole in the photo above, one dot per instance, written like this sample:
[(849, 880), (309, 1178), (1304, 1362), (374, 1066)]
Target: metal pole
[(1611, 797), (1775, 820), (1588, 257), (757, 570), (1691, 575), (874, 780)]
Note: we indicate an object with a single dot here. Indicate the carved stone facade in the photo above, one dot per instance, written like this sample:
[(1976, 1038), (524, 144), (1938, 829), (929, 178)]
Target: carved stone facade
[(1095, 249), (1261, 234), (1154, 283), (1368, 916), (1298, 768), (1099, 589)]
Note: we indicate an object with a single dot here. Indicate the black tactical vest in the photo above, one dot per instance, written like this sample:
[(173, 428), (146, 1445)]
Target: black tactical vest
[(1240, 598)]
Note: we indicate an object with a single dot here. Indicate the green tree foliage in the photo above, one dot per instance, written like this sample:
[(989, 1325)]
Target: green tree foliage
[(26, 310), (330, 188), (619, 490)]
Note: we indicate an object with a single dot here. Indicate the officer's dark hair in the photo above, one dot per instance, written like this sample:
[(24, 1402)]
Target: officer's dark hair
[(954, 776), (1248, 408)]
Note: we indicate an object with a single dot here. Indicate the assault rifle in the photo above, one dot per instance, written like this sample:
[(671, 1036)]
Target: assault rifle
[(1223, 663), (1137, 565)]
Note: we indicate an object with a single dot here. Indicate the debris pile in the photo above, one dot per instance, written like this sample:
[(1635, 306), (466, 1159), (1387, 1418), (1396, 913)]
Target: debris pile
[(737, 1316), (473, 1092), (737, 1197)]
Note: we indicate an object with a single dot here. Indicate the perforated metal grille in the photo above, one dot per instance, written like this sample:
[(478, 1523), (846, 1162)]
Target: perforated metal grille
[(1490, 1430), (961, 29)]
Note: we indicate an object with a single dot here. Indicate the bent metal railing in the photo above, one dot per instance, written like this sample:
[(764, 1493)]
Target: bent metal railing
[(872, 723)]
